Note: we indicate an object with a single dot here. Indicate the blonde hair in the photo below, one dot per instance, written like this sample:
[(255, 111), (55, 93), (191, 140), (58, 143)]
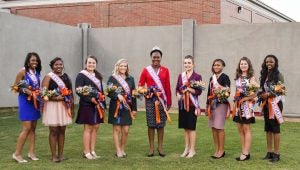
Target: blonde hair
[(116, 69)]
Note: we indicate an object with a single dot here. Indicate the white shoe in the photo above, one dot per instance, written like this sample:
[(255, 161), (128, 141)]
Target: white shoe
[(88, 156), (93, 153), (19, 159), (32, 157)]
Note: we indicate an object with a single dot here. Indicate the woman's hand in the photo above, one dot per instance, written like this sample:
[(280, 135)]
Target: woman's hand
[(57, 98), (134, 113), (264, 95), (121, 98)]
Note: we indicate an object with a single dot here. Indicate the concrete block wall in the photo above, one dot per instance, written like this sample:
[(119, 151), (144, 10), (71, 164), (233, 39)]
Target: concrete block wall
[(20, 35)]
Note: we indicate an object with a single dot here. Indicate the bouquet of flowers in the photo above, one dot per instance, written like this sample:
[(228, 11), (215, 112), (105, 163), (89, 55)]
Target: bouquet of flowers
[(222, 93), (251, 89), (197, 84), (277, 89), (22, 84), (111, 88), (85, 90), (47, 94), (139, 92)]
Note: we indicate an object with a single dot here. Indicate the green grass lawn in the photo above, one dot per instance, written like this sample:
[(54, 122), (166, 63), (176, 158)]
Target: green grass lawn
[(137, 147)]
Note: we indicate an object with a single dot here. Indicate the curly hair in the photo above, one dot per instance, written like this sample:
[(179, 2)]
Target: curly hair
[(272, 75), (116, 69), (38, 68), (250, 71), (54, 60)]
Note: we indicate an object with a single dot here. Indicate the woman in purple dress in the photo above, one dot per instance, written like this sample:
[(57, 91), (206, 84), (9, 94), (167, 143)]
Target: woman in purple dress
[(188, 104), (29, 111)]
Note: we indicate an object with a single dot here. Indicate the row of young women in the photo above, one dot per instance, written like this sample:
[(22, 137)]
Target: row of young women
[(122, 106)]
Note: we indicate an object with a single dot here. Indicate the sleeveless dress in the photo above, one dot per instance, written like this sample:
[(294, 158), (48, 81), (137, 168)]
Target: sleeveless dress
[(27, 111), (55, 112)]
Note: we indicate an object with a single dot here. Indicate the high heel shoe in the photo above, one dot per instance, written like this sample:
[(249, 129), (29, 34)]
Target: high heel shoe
[(215, 157), (121, 156), (18, 159), (246, 157), (87, 156), (160, 153), (150, 154), (191, 155), (184, 154), (32, 157), (93, 153)]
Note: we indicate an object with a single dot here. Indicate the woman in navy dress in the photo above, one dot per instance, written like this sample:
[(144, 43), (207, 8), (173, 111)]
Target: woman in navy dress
[(88, 114), (29, 111), (117, 104), (187, 117)]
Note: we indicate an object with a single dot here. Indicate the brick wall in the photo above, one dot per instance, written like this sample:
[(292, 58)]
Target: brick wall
[(122, 13)]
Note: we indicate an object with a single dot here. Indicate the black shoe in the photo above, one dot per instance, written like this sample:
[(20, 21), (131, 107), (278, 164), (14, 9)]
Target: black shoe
[(214, 157), (247, 157), (269, 155), (276, 158), (150, 154), (161, 154)]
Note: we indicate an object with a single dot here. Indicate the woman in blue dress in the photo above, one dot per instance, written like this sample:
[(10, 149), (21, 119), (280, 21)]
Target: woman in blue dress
[(29, 111)]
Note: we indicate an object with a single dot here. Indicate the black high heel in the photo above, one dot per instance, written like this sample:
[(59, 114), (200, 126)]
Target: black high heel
[(161, 154), (221, 155)]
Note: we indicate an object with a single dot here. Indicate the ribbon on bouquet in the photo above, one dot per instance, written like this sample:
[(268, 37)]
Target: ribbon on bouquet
[(245, 102), (126, 105), (273, 109), (99, 105)]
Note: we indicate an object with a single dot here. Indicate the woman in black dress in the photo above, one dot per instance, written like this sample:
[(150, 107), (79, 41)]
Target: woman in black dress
[(122, 106), (244, 114), (269, 75), (88, 113), (188, 110)]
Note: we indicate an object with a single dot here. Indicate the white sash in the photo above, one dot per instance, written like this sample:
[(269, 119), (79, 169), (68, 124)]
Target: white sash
[(123, 83), (277, 111), (93, 79), (246, 105), (33, 77), (57, 80), (192, 97), (157, 81)]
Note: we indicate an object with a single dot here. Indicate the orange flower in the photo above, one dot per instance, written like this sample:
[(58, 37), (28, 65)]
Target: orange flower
[(65, 91)]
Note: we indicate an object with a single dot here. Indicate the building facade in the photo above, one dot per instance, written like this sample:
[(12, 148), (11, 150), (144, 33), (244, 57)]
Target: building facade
[(124, 13)]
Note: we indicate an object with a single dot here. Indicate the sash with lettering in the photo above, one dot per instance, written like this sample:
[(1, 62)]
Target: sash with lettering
[(192, 97), (34, 87), (93, 78), (100, 97), (163, 101), (68, 101), (212, 98), (244, 103), (157, 81), (273, 108), (126, 88)]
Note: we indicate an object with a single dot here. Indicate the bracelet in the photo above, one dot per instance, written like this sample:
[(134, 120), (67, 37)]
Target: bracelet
[(23, 90)]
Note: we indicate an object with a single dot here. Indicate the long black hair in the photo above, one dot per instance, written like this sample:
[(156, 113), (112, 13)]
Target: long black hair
[(272, 75), (38, 69)]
